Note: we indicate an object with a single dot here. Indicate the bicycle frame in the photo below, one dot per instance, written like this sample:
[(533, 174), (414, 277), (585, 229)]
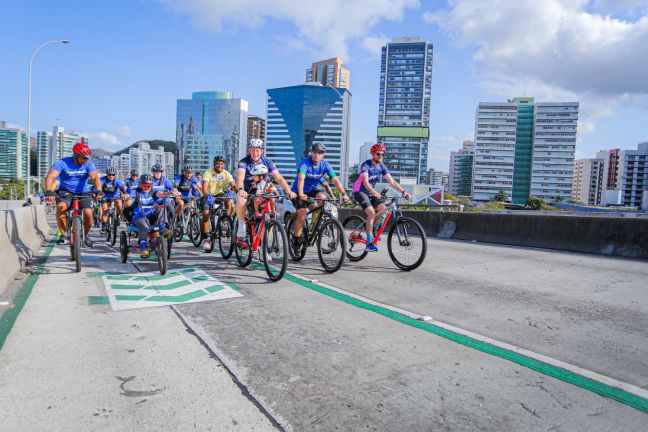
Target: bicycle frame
[(392, 210), (318, 214), (257, 231)]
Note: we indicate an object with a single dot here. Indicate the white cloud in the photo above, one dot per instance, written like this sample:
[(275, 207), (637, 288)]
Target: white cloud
[(555, 50), (440, 147), (326, 25), (374, 44), (125, 131), (105, 140)]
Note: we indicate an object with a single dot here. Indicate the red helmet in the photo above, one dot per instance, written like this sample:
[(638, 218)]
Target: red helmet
[(378, 147), (82, 149)]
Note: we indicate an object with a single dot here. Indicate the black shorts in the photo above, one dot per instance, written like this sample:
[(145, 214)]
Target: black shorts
[(300, 204), (366, 201), (66, 197)]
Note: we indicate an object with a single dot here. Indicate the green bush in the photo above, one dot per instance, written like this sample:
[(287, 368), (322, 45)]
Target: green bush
[(536, 203)]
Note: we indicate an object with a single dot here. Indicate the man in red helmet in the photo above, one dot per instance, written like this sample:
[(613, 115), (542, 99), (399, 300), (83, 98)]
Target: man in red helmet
[(364, 193), (73, 173)]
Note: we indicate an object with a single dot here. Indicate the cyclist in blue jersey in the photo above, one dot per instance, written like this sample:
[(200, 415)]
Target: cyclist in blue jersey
[(73, 173), (308, 184), (165, 192), (244, 179), (364, 193), (112, 187), (146, 211), (188, 186), (131, 188)]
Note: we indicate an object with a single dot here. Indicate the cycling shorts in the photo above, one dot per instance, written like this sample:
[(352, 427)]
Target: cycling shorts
[(367, 201)]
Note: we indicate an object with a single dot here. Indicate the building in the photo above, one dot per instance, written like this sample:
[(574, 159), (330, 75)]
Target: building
[(102, 163), (633, 175), (587, 185), (300, 115), (365, 151), (256, 128), (436, 178), (460, 172), (43, 139), (13, 152), (331, 72), (55, 145), (524, 148), (404, 106), (142, 157), (211, 123), (122, 163)]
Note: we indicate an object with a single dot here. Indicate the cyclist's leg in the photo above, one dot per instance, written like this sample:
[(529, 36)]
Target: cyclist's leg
[(118, 207), (142, 224), (241, 207), (61, 215), (229, 205), (105, 205), (206, 202), (364, 201), (179, 206), (301, 211)]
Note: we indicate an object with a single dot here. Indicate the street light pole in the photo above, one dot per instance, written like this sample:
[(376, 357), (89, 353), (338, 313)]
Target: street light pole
[(31, 60)]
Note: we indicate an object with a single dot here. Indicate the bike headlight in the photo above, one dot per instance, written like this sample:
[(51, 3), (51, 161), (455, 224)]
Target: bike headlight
[(329, 207)]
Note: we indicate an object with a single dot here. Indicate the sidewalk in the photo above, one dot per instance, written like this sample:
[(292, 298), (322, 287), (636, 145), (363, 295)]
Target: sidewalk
[(72, 365)]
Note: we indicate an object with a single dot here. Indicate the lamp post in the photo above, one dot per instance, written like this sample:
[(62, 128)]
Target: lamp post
[(31, 60)]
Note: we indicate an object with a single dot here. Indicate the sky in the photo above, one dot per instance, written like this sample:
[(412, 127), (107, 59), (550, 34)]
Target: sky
[(128, 61)]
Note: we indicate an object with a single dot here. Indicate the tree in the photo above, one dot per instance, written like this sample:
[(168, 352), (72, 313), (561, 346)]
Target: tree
[(449, 196), (536, 203), (500, 196), (558, 198)]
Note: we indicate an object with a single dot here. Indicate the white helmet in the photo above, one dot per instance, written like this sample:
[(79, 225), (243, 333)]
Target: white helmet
[(258, 169), (255, 143)]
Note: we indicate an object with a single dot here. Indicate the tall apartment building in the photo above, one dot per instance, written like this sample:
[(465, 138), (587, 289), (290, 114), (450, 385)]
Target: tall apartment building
[(122, 163), (436, 178), (331, 72), (256, 128), (587, 185), (13, 152), (633, 174), (404, 106), (524, 148), (211, 123), (365, 151), (55, 145), (102, 163), (460, 172), (141, 158), (298, 116)]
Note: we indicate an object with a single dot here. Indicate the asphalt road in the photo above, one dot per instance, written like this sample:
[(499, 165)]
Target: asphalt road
[(298, 357)]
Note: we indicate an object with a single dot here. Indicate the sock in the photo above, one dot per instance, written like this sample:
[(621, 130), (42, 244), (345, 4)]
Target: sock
[(143, 244), (60, 233), (369, 239), (241, 229)]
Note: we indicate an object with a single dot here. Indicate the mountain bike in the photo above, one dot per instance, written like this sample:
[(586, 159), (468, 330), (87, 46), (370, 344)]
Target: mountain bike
[(221, 228), (156, 243), (324, 229), (406, 241), (188, 222), (263, 230), (112, 222), (74, 226)]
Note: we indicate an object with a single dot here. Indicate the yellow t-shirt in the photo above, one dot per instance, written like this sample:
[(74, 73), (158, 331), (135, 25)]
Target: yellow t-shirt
[(216, 183)]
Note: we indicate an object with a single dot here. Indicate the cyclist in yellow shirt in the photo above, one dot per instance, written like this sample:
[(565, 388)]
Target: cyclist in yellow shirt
[(215, 183)]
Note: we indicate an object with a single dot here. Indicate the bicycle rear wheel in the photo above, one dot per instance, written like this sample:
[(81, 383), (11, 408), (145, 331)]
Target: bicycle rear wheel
[(354, 229), (331, 245), (407, 244), (161, 252), (76, 242), (243, 255), (195, 234), (296, 254), (275, 243), (113, 227), (123, 247), (225, 231), (178, 231), (109, 224)]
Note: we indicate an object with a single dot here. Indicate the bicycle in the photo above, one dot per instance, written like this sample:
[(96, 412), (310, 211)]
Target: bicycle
[(324, 229), (112, 222), (96, 214), (74, 226), (405, 234), (268, 230), (221, 228), (188, 222), (156, 242)]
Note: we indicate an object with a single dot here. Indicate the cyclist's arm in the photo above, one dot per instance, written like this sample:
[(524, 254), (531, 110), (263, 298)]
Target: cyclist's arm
[(240, 178), (394, 183), (338, 184), (301, 177), (50, 180), (94, 176)]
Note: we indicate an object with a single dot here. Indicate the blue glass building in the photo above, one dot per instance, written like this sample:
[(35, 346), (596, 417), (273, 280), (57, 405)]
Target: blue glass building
[(404, 106), (300, 115), (210, 123)]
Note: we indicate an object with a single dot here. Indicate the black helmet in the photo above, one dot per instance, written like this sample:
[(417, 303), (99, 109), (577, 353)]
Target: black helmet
[(187, 168), (157, 167), (111, 171), (134, 173), (219, 158), (320, 147), (146, 179)]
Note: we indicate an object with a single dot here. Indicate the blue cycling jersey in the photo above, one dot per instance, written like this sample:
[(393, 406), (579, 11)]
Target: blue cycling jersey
[(162, 185), (187, 187), (146, 204), (373, 172), (314, 174), (111, 188), (246, 164), (131, 187), (73, 178)]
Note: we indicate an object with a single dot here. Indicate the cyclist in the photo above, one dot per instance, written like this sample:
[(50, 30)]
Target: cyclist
[(131, 189), (187, 185), (308, 184), (365, 194), (146, 211), (73, 173), (112, 187), (244, 180), (199, 177), (164, 190), (215, 184)]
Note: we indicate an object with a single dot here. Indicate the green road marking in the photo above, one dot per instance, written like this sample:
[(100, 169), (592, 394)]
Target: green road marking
[(213, 289), (171, 286), (177, 299), (95, 300), (128, 287), (605, 390), (200, 278), (129, 297), (122, 276), (8, 318), (100, 274)]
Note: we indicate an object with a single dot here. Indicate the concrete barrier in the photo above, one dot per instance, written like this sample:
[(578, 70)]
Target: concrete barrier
[(22, 233), (627, 237)]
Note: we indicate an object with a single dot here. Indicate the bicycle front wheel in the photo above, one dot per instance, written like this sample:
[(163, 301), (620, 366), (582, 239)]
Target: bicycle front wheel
[(407, 244), (195, 234), (354, 229), (161, 252), (113, 227), (225, 231), (297, 252), (331, 245), (274, 252), (76, 242), (109, 224), (243, 254)]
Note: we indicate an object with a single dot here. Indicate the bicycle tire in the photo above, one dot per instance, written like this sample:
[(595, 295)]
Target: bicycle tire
[(403, 223), (113, 228), (178, 232), (243, 256), (161, 252), (109, 221), (225, 229), (76, 233), (326, 249), (354, 229), (195, 233), (123, 247), (213, 222), (297, 255), (275, 241)]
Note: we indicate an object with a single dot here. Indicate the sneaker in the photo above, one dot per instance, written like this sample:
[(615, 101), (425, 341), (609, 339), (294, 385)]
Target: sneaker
[(87, 242), (62, 240), (242, 242), (145, 254), (371, 248), (103, 228), (207, 245)]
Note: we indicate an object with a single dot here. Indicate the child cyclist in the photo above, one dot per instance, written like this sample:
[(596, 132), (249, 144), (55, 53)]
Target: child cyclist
[(146, 211), (261, 185)]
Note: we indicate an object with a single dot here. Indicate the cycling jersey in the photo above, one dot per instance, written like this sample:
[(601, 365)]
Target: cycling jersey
[(314, 174), (187, 187), (131, 187), (217, 182), (246, 164), (162, 185), (73, 178), (373, 172), (111, 188), (145, 204)]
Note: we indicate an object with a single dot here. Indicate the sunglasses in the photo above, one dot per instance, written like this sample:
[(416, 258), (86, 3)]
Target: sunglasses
[(110, 175), (379, 153), (317, 152)]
